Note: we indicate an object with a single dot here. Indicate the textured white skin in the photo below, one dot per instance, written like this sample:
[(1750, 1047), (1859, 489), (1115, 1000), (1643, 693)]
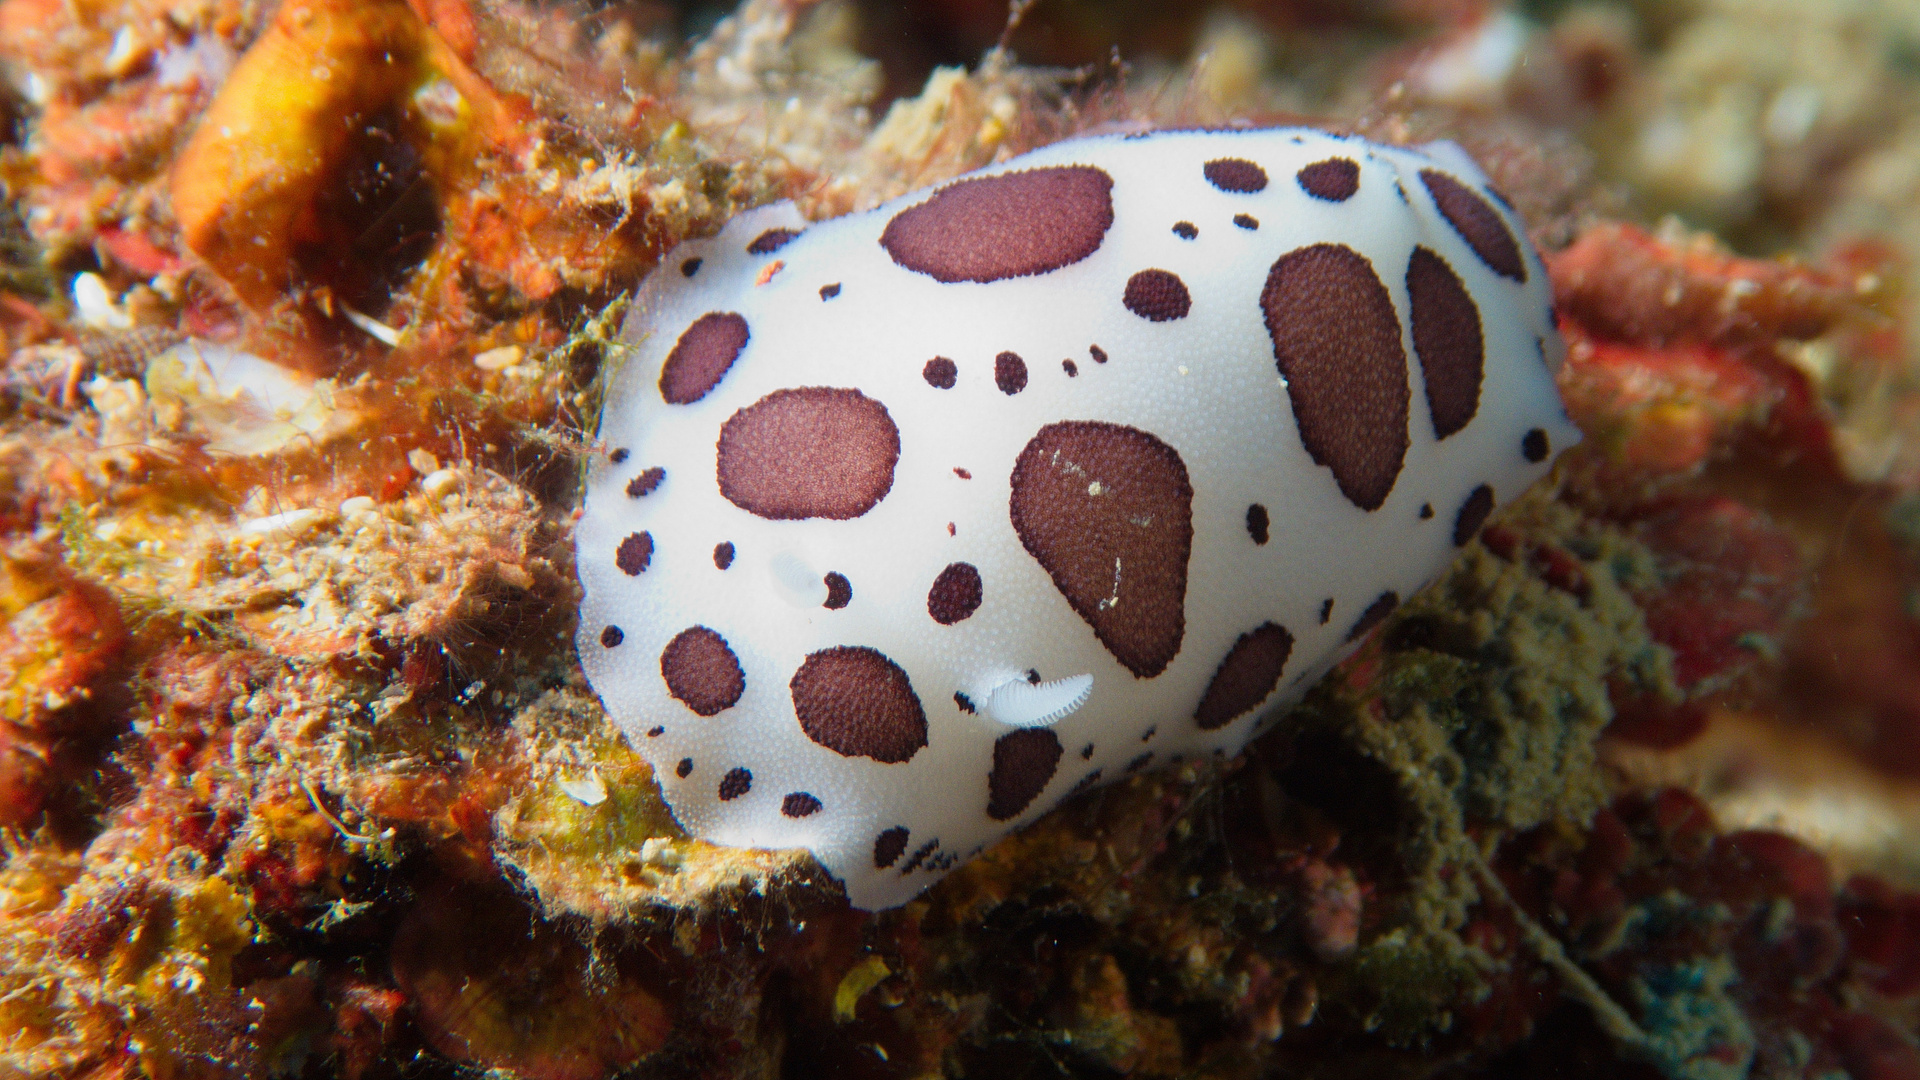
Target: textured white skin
[(1206, 384)]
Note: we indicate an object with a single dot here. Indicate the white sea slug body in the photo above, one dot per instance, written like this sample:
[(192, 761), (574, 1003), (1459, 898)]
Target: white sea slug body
[(917, 521)]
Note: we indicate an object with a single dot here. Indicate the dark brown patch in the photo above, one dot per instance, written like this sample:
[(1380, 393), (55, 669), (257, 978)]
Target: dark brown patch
[(690, 267), (1023, 764), (1009, 373), (989, 228), (962, 473), (1099, 354), (1139, 762), (701, 671), (955, 594), (1089, 495), (771, 241), (656, 731), (701, 357), (919, 856), (1426, 511), (1446, 338), (1326, 610), (1249, 673), (1376, 612), (723, 554), (684, 769), (634, 554), (799, 804), (810, 452), (1185, 230), (1257, 523), (1473, 514), (1335, 179), (828, 292), (1157, 295), (889, 846), (1147, 735), (1086, 752), (857, 703), (644, 484), (940, 373), (736, 783), (618, 456), (1479, 224), (1246, 221), (612, 636), (1235, 174), (1337, 342), (839, 590), (1070, 368), (963, 702), (1534, 445)]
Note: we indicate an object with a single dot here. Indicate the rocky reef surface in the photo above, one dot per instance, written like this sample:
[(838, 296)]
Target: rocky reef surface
[(305, 310)]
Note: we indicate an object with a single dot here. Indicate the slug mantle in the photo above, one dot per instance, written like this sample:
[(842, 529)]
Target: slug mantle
[(918, 521)]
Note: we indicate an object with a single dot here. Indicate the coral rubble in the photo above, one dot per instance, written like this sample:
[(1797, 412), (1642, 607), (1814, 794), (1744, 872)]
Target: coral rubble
[(305, 310)]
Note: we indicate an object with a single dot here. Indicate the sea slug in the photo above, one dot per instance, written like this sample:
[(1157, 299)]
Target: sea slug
[(915, 522)]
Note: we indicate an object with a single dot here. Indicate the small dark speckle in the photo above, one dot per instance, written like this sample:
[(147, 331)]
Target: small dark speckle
[(1086, 752), (1246, 221), (1326, 610), (643, 485), (962, 473), (1033, 676), (1099, 354), (690, 267), (950, 529), (612, 636), (1257, 523), (684, 769), (771, 241), (618, 456), (1070, 368), (1426, 511), (723, 554), (828, 292), (736, 783), (1535, 446), (655, 732), (839, 590), (1148, 735), (1185, 230), (965, 702)]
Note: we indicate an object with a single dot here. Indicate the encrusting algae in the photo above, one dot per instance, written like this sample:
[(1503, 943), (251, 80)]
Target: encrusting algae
[(299, 774)]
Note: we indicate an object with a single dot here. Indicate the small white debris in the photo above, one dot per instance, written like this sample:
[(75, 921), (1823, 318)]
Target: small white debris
[(423, 461), (248, 405), (95, 304), (659, 851), (287, 523), (495, 359), (588, 790), (359, 504), (439, 482), (375, 329)]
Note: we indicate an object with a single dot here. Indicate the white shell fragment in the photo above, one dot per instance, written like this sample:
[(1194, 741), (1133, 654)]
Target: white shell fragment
[(917, 521), (245, 404)]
